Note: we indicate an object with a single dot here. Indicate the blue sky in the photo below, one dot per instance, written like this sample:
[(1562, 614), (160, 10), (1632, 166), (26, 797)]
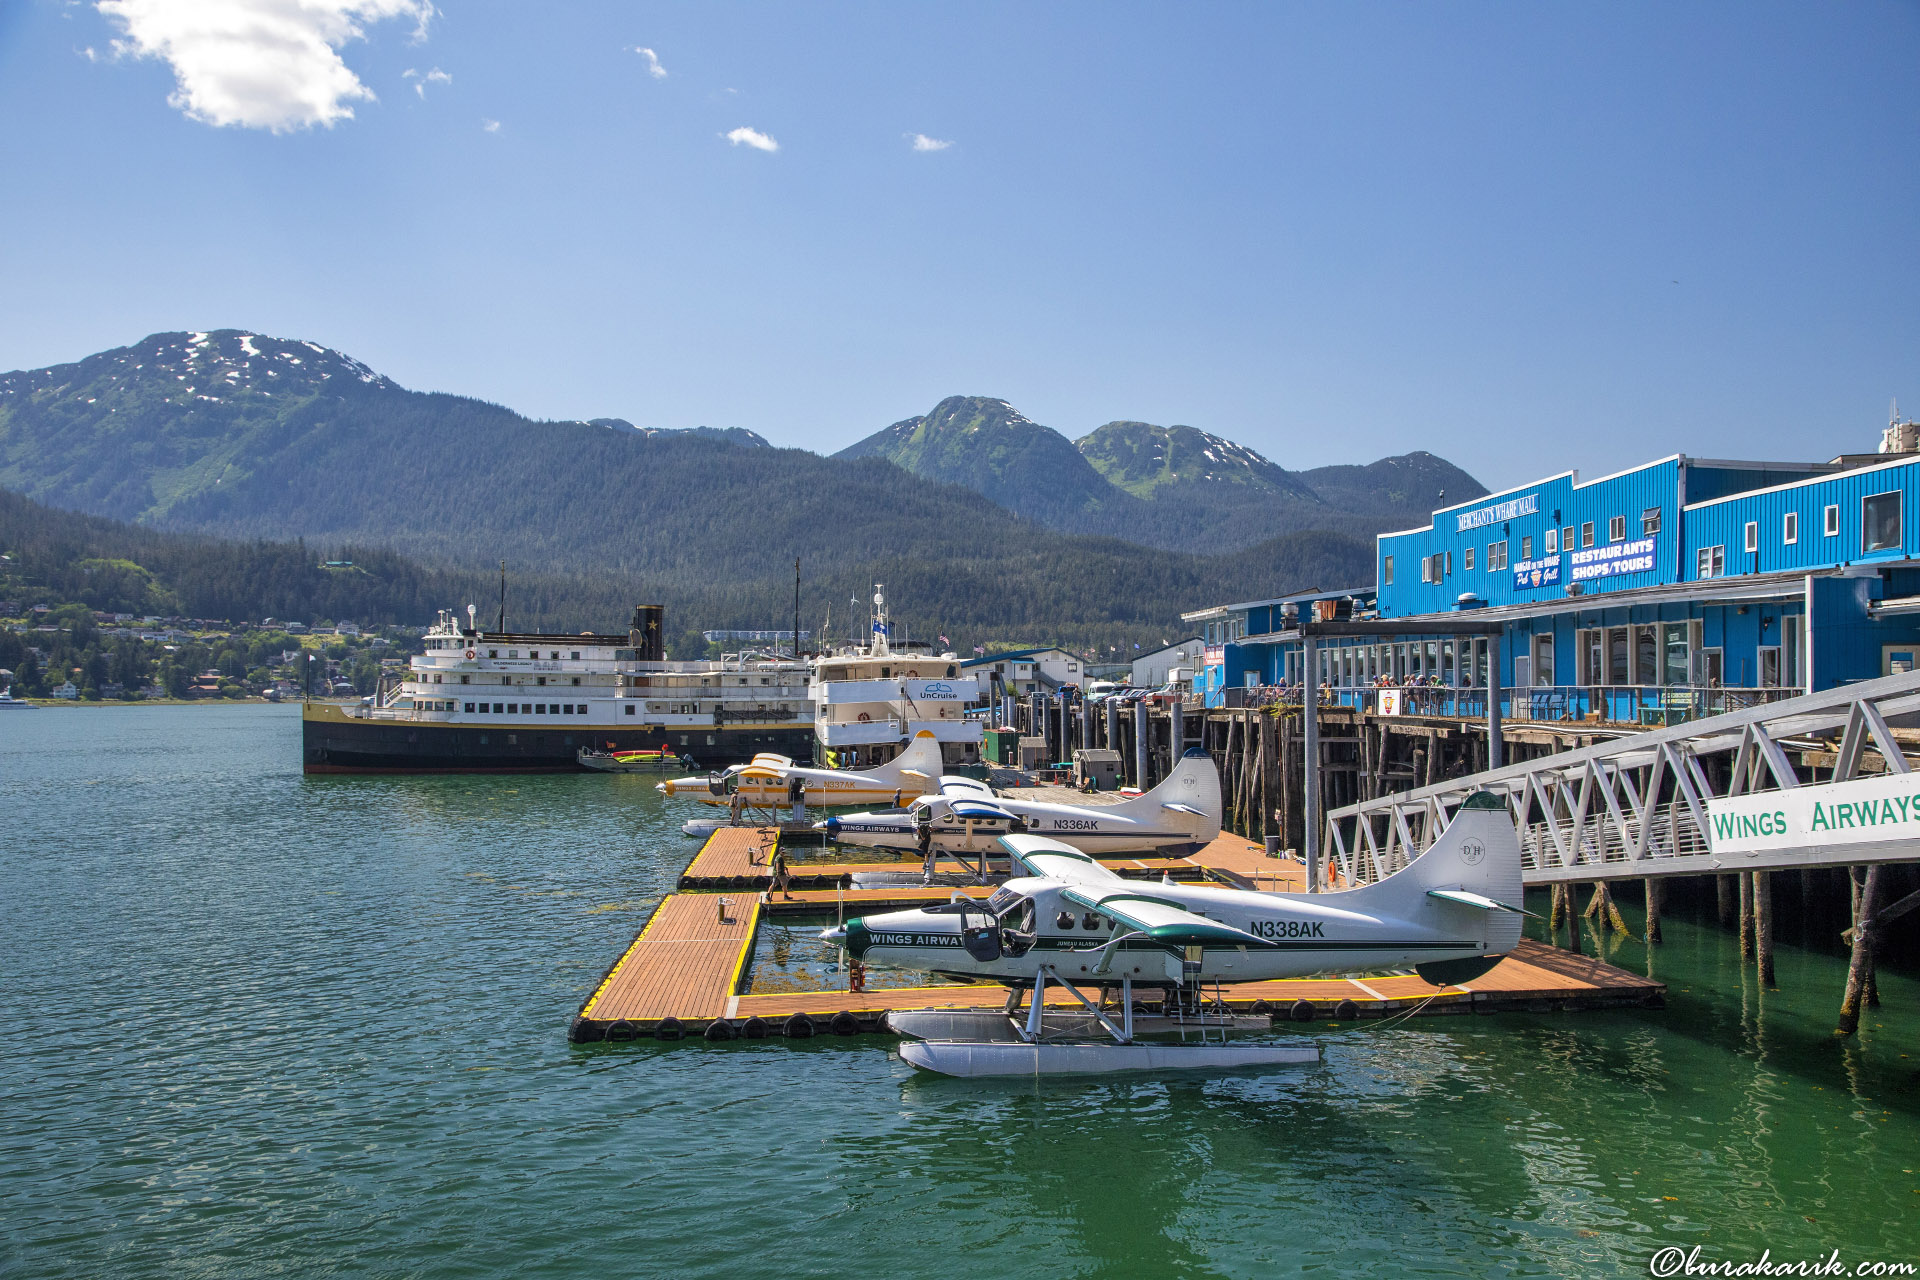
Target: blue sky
[(1526, 237)]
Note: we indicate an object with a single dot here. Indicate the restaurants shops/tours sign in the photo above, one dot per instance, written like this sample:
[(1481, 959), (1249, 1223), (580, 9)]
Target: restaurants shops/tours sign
[(1864, 811), (1609, 562)]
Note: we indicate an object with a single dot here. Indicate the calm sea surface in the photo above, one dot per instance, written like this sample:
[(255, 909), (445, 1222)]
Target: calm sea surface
[(256, 1023)]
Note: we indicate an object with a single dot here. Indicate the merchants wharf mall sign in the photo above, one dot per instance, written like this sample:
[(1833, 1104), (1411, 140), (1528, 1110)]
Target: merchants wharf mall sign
[(1499, 511)]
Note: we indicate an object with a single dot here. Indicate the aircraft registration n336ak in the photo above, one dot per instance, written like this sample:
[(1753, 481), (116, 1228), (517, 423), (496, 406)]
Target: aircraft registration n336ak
[(1179, 816)]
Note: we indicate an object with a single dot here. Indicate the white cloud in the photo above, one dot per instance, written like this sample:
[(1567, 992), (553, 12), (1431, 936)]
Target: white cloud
[(921, 142), (258, 64), (654, 68), (420, 82), (759, 141), (491, 126)]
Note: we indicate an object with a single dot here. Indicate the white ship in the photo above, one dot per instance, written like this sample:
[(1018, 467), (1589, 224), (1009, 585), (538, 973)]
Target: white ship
[(498, 701), (870, 701)]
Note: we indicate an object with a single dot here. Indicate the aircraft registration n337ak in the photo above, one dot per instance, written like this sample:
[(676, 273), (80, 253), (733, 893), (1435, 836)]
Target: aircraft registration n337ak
[(769, 781)]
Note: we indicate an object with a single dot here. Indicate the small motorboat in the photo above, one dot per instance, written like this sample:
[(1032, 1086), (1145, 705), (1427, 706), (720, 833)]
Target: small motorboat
[(659, 759)]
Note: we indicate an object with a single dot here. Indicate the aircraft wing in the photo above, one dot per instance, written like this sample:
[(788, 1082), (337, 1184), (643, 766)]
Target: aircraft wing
[(979, 810), (957, 787), (771, 760), (1159, 918), (1039, 856)]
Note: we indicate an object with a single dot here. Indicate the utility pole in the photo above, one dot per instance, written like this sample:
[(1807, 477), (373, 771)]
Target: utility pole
[(503, 597), (796, 608)]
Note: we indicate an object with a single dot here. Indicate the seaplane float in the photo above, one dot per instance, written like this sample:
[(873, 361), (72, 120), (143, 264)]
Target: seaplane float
[(964, 817), (769, 782), (1069, 921)]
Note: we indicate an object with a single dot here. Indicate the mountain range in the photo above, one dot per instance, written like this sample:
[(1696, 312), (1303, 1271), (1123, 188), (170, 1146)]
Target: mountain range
[(974, 517), (1179, 488)]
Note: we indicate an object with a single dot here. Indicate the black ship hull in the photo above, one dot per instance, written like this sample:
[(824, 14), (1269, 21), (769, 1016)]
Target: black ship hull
[(333, 742)]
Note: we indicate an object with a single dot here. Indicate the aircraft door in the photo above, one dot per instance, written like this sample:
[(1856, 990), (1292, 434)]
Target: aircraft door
[(980, 935)]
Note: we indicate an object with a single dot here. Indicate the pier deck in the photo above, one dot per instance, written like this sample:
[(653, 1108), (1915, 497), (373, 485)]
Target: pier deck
[(685, 972)]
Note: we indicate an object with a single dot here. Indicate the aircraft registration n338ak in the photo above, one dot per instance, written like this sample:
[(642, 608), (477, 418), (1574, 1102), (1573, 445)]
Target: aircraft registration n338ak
[(1450, 914)]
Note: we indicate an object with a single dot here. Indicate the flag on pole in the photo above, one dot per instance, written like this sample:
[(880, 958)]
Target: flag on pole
[(944, 640), (980, 649)]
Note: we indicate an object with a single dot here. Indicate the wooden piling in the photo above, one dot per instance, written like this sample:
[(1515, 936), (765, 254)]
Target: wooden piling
[(1746, 916), (1860, 964), (1655, 890), (1723, 891), (1763, 925)]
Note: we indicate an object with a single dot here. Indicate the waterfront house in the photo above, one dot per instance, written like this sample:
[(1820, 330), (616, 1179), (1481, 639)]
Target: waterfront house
[(1022, 671)]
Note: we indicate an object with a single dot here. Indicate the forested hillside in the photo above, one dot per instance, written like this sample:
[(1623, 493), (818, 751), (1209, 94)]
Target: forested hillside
[(1178, 488), (246, 437)]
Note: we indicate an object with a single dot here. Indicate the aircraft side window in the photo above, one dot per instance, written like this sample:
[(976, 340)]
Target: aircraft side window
[(1065, 920), (1092, 921)]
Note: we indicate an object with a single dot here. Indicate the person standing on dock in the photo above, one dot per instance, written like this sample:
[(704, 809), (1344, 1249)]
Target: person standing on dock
[(780, 877)]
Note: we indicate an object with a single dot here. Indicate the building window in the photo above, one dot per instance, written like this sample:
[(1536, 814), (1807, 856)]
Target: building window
[(1496, 556), (1617, 529), (1566, 538), (1386, 571), (1449, 564), (1713, 562), (1880, 521), (1526, 548), (1586, 534), (1466, 560), (1833, 521), (1552, 541), (1790, 528), (1753, 535), (1649, 522)]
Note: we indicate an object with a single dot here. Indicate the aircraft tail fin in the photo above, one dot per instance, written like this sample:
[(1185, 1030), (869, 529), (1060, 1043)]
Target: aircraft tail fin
[(920, 757), (1471, 877), (1190, 794)]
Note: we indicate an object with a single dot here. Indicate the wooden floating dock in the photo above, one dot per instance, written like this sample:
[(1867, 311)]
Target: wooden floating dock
[(684, 974)]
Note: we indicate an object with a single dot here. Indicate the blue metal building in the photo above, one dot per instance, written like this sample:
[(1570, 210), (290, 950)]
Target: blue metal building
[(1679, 588)]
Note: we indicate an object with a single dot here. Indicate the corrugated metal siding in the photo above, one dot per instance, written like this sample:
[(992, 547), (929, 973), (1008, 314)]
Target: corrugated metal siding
[(1723, 524), (1561, 505)]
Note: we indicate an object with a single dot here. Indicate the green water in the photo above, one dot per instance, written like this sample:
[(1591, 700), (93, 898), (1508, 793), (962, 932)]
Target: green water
[(261, 1024)]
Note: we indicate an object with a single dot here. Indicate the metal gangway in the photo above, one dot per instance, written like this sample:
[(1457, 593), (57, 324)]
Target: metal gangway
[(1681, 800)]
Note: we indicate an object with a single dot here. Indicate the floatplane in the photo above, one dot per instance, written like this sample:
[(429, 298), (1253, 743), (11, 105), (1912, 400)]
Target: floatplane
[(770, 782), (964, 817), (1069, 921)]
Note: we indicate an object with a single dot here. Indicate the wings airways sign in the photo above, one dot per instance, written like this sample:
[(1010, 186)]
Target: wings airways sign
[(1863, 811)]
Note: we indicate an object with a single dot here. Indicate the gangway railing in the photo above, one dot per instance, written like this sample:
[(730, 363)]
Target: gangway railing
[(1639, 805)]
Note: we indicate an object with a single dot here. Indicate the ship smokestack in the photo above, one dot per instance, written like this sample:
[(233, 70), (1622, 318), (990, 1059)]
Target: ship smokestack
[(648, 633)]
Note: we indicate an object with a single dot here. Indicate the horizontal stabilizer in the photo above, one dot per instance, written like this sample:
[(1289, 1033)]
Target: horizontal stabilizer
[(1476, 900)]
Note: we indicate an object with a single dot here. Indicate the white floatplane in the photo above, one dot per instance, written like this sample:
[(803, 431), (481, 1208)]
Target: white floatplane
[(1451, 914), (775, 782), (1179, 816)]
